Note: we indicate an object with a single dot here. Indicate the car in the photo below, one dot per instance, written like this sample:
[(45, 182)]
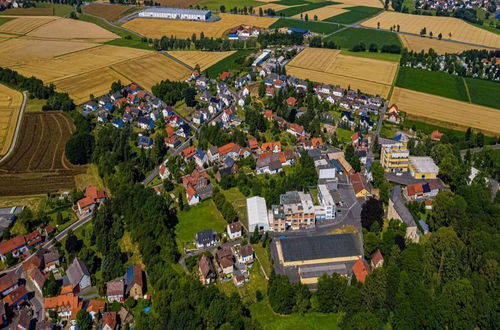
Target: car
[(282, 237)]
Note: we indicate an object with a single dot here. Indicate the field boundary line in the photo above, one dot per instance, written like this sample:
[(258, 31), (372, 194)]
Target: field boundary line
[(389, 96), (71, 130), (172, 57), (57, 17), (54, 116), (76, 51), (467, 89), (16, 131)]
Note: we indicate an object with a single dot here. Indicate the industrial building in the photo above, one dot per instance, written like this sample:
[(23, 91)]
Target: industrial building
[(296, 211), (257, 214), (176, 13), (313, 256), (423, 168)]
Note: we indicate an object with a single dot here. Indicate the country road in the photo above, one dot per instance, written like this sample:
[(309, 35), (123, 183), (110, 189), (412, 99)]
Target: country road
[(18, 127)]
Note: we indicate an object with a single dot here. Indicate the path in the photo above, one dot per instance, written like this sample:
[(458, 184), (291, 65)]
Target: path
[(18, 127), (467, 90), (478, 149), (190, 68)]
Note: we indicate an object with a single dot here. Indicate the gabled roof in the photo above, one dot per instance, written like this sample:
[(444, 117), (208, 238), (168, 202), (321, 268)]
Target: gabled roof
[(115, 288), (37, 277), (205, 266), (12, 244), (400, 207), (76, 271), (230, 147), (234, 227), (360, 270), (8, 280), (96, 306), (15, 295), (377, 257), (64, 302), (246, 250), (133, 276)]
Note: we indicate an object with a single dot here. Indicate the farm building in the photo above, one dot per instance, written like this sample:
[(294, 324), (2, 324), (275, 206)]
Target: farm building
[(176, 13)]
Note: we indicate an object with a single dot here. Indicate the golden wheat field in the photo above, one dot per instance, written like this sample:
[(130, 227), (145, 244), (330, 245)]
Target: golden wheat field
[(367, 3), (330, 67), (150, 70), (460, 30), (23, 25), (96, 83), (203, 59), (10, 105), (439, 46), (157, 28), (273, 6), (324, 12), (65, 28), (452, 113)]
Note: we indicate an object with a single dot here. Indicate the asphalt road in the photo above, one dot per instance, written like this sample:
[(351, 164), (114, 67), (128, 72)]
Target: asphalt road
[(494, 147)]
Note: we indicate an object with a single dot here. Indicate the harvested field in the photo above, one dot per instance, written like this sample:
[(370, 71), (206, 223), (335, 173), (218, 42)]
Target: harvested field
[(80, 87), (273, 6), (150, 70), (79, 62), (29, 11), (329, 66), (24, 25), (324, 12), (447, 112), (460, 30), (108, 11), (38, 164), (441, 47), (203, 59), (10, 105), (368, 3), (66, 28), (157, 28)]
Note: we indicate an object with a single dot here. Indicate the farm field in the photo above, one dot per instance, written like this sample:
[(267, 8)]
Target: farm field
[(297, 10), (150, 70), (10, 105), (203, 59), (65, 28), (323, 12), (441, 47), (157, 28), (109, 11), (368, 3), (460, 30), (312, 26), (484, 92), (272, 5), (353, 14), (24, 25), (215, 4), (350, 37), (28, 11), (329, 66), (437, 83), (446, 112), (81, 86), (38, 164), (229, 63), (374, 55)]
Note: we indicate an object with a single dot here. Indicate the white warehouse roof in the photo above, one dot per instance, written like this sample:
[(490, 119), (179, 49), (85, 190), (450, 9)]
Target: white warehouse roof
[(424, 164), (257, 213), (170, 10)]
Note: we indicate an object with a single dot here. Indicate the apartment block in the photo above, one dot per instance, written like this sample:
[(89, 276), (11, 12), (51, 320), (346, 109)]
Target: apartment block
[(394, 157), (327, 202), (296, 211)]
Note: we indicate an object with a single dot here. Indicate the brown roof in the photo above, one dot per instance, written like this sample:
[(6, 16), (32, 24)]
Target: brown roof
[(37, 277), (235, 227), (115, 288), (228, 148), (96, 306), (64, 302), (33, 262), (8, 280), (11, 244), (110, 319), (51, 256), (246, 250), (377, 257), (360, 270), (358, 182), (205, 266), (15, 295), (76, 271)]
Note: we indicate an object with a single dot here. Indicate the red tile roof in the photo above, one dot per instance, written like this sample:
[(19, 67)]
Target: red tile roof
[(109, 318), (317, 142), (189, 152), (15, 295), (224, 75), (414, 189), (64, 302), (253, 144), (297, 128), (96, 306), (268, 114), (12, 244), (436, 135), (230, 147), (377, 257), (291, 101), (270, 146), (358, 182), (360, 271)]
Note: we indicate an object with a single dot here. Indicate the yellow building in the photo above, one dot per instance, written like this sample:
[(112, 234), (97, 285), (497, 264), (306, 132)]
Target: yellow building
[(394, 157), (423, 168)]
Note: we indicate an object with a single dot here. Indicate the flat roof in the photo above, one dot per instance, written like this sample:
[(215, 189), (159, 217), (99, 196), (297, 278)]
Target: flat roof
[(176, 11), (257, 211), (319, 247), (424, 164), (318, 270)]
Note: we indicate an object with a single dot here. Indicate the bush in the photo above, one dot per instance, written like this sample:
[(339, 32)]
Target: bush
[(130, 302)]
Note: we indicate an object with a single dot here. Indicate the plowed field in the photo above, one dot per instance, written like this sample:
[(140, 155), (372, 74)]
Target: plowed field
[(38, 164)]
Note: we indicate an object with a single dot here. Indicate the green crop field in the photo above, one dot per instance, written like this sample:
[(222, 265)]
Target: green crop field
[(228, 63), (229, 4), (355, 14), (436, 83), (312, 26), (300, 9), (350, 37), (484, 92), (292, 2)]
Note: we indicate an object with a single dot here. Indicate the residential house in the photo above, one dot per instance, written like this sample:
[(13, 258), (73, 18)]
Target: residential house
[(16, 246), (8, 283), (397, 210), (16, 297), (163, 172), (421, 190), (253, 145), (228, 166), (359, 184), (436, 135), (314, 143), (93, 197), (145, 142), (245, 254), (270, 92), (326, 200), (115, 291), (200, 158), (90, 106), (291, 101), (66, 306), (225, 260), (134, 281), (422, 167), (296, 130), (172, 141), (51, 261), (110, 321), (230, 150), (268, 163), (234, 230), (239, 280), (192, 196), (206, 238), (117, 122), (392, 115), (395, 157), (377, 259), (206, 269), (189, 153), (347, 119), (95, 308), (360, 270), (145, 123), (78, 275), (271, 147), (213, 153), (38, 279)]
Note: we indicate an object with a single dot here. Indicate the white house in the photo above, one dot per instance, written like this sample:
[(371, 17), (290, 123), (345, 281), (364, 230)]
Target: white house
[(234, 230), (245, 254)]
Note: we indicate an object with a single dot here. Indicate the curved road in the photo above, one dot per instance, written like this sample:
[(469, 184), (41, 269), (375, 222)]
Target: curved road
[(18, 127)]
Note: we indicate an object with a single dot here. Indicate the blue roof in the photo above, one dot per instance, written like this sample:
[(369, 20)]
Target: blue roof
[(303, 31), (118, 122), (497, 16), (145, 140), (424, 226), (397, 137), (200, 153), (233, 35), (109, 106), (129, 276)]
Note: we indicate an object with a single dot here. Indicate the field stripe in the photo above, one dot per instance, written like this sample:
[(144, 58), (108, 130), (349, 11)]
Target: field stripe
[(467, 90), (42, 124)]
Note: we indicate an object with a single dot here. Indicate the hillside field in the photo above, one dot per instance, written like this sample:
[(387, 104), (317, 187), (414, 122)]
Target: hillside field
[(446, 112), (484, 92), (10, 106), (350, 37), (460, 30), (109, 11), (228, 63)]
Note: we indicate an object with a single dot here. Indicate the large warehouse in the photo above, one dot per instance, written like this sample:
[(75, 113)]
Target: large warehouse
[(257, 214), (176, 13)]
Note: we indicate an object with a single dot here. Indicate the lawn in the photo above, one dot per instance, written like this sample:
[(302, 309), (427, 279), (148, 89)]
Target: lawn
[(264, 258), (33, 202), (376, 56), (436, 83), (484, 92), (312, 26), (90, 178), (59, 9), (199, 217), (343, 135), (228, 63), (229, 4), (182, 110), (262, 312), (248, 290), (355, 14), (350, 37), (34, 105), (239, 202), (301, 9), (131, 248), (292, 2)]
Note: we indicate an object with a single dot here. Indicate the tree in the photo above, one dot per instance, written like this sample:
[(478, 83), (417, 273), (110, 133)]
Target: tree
[(352, 158), (306, 17), (423, 32), (222, 9), (457, 305), (362, 321), (59, 218), (83, 320), (73, 244), (447, 209), (378, 25), (315, 17), (281, 294), (50, 287), (331, 293), (79, 148), (440, 36), (372, 211)]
